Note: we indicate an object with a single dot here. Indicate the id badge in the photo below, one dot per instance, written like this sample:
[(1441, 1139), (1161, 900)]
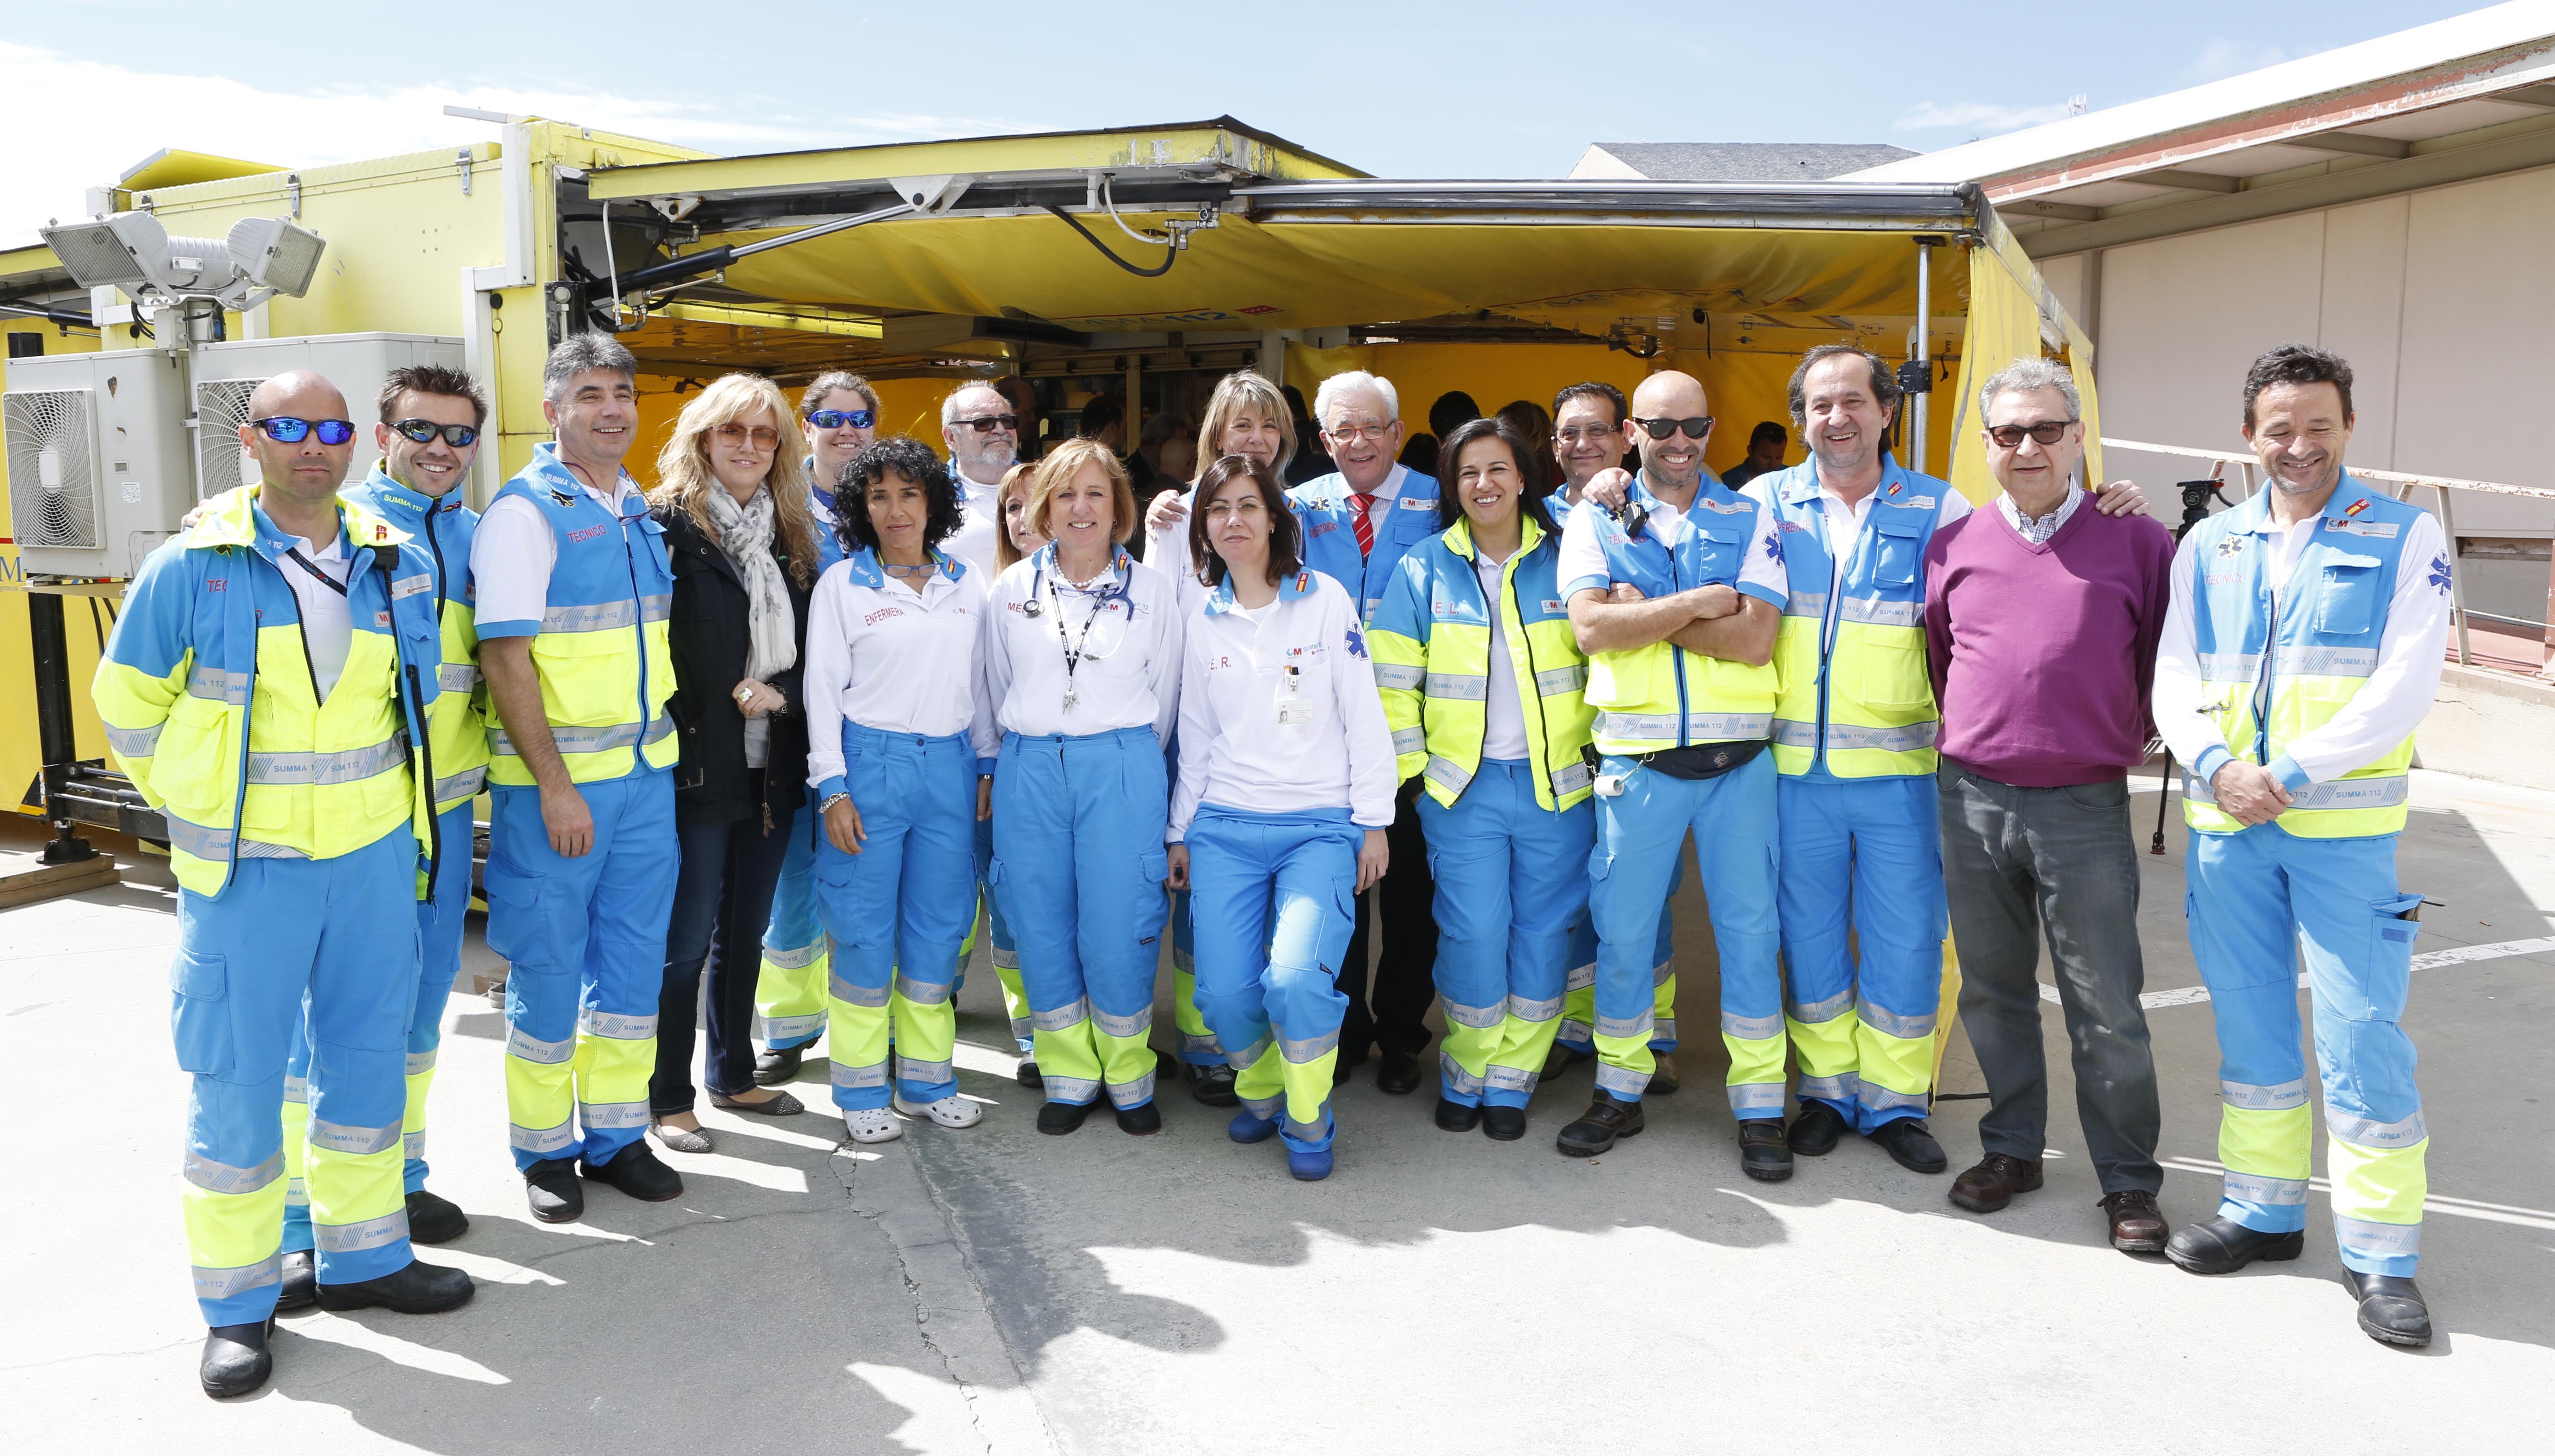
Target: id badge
[(1292, 711)]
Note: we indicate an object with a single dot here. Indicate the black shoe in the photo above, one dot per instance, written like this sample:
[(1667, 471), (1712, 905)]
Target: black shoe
[(432, 1220), (1212, 1085), (1455, 1117), (1140, 1122), (2224, 1246), (1060, 1118), (551, 1188), (1346, 1068), (1762, 1155), (1503, 1124), (300, 1281), (1608, 1118), (1911, 1144), (774, 1065), (416, 1288), (236, 1360), (2392, 1310), (1026, 1072), (1815, 1130), (1397, 1073), (636, 1171)]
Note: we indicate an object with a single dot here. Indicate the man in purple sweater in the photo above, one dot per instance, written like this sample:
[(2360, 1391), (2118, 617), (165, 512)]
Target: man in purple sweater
[(2042, 620)]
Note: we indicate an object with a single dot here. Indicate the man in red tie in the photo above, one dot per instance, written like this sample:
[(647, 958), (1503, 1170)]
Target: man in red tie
[(1357, 522)]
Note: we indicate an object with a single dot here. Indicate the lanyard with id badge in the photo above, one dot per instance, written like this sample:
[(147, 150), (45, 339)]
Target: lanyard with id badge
[(1294, 712)]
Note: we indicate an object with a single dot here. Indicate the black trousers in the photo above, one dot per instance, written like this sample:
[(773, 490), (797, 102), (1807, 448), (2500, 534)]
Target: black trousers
[(722, 900), (1395, 1017)]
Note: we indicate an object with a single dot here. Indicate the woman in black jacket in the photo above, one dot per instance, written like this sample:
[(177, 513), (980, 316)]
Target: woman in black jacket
[(733, 500)]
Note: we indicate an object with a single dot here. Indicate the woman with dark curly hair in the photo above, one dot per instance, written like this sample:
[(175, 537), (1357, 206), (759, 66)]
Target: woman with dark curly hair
[(891, 689)]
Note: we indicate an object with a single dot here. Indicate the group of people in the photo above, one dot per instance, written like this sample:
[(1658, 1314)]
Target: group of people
[(860, 693)]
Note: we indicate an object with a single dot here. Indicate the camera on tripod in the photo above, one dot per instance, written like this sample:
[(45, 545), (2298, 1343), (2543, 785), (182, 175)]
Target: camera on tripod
[(2196, 496)]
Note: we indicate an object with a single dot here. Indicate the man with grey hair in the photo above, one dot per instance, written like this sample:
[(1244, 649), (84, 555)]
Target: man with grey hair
[(983, 432), (2041, 623), (1358, 523), (573, 594)]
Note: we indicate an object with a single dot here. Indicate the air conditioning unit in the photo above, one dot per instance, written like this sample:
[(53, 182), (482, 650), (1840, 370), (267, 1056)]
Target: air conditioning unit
[(98, 467), (227, 374)]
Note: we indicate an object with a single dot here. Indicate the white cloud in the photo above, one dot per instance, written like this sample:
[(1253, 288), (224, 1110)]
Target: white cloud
[(2224, 58), (109, 117), (1978, 117)]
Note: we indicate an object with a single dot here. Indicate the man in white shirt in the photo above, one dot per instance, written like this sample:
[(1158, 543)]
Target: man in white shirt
[(983, 435), (2302, 646)]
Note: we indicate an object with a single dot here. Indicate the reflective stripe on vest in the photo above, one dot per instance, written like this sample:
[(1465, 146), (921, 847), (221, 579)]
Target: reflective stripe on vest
[(1662, 696)]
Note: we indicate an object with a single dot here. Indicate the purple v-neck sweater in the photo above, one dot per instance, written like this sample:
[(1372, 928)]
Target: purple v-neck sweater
[(2043, 655)]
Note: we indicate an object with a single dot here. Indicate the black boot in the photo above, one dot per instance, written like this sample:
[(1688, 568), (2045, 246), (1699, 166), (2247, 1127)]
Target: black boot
[(1814, 1132), (432, 1220), (1026, 1072), (1762, 1155), (415, 1288), (774, 1065), (1503, 1124), (552, 1189), (236, 1360), (1911, 1144), (2224, 1246), (1455, 1117), (2392, 1310), (1060, 1118), (1140, 1122), (1212, 1085), (1608, 1118), (636, 1171), (1398, 1072), (300, 1281)]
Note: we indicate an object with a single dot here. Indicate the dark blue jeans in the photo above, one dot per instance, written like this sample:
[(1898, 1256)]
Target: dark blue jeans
[(722, 900)]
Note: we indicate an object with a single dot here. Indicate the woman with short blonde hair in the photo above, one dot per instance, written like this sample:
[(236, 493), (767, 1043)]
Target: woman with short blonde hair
[(732, 499)]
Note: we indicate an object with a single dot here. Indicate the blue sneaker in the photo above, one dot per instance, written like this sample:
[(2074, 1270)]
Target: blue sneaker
[(1310, 1168), (1250, 1127)]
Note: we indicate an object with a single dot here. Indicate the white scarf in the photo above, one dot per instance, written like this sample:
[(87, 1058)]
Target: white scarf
[(745, 534)]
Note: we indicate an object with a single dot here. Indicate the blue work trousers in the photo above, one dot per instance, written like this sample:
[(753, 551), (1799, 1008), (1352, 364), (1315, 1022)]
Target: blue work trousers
[(586, 939), (1641, 841), (795, 937), (1511, 883), (1863, 1033), (1079, 857), (331, 942), (1271, 900)]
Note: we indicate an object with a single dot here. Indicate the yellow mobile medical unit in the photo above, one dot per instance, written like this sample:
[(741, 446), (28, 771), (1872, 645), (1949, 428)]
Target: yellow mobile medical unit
[(1142, 262)]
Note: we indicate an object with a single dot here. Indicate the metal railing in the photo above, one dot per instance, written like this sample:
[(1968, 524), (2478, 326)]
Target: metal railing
[(2404, 485)]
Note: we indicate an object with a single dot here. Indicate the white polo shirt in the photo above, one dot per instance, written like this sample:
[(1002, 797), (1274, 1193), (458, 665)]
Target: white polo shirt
[(1126, 631), (886, 655)]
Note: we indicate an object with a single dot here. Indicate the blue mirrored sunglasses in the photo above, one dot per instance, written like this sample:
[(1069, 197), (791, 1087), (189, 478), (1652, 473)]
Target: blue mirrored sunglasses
[(837, 418), (423, 431), (283, 430)]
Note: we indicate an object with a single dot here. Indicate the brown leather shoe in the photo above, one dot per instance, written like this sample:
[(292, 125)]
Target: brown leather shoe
[(1993, 1184), (2138, 1227)]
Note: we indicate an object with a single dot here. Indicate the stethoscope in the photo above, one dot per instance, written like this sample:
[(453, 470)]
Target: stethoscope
[(1039, 591)]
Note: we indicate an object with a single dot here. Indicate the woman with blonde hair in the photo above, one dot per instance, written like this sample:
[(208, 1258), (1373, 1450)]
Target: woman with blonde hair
[(732, 499), (1081, 675), (1017, 542)]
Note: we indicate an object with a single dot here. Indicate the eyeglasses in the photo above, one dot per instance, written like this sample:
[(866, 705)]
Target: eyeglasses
[(283, 430), (423, 431), (764, 436), (1246, 506), (837, 418), (1696, 426), (1371, 433), (2046, 432), (988, 424), (1593, 434)]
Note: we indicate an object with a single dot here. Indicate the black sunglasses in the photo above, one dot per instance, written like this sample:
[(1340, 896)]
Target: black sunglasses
[(423, 431), (988, 424), (837, 418), (1695, 426), (283, 430), (2047, 433)]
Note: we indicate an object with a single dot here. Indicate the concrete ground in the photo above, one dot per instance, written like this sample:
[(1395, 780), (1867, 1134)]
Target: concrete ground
[(994, 1290)]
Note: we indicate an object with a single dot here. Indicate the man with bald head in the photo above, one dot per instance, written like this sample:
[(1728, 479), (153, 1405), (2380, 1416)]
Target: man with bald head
[(1675, 595), (268, 690)]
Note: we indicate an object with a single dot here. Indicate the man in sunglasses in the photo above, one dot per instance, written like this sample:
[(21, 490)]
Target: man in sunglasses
[(983, 434), (2041, 623), (839, 416), (1675, 596), (574, 589), (270, 690)]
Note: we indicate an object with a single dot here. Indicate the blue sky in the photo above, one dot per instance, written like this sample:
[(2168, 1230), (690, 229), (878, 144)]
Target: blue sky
[(1491, 89)]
